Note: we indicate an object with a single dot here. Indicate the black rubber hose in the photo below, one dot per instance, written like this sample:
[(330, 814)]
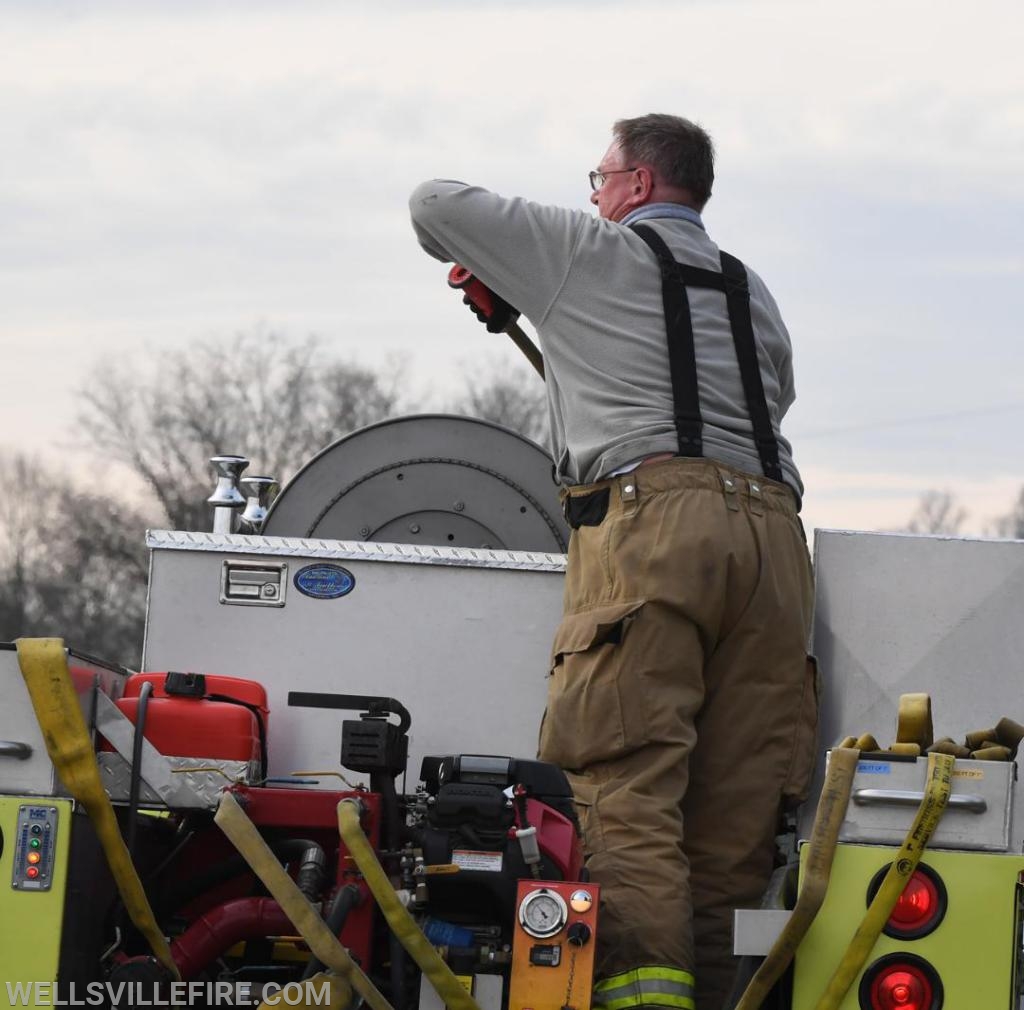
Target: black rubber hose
[(347, 898), (286, 849), (397, 971), (135, 781), (261, 726)]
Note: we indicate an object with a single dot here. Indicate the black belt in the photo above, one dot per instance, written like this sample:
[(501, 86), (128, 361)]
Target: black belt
[(590, 509)]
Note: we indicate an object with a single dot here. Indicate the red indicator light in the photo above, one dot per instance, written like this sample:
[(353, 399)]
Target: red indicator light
[(34, 857), (901, 982), (32, 872), (921, 907), (917, 904), (901, 988)]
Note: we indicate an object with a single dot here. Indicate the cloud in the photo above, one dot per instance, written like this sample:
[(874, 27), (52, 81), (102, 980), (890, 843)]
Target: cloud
[(179, 169)]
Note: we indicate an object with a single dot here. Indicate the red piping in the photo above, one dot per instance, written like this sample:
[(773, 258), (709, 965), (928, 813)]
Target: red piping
[(224, 926)]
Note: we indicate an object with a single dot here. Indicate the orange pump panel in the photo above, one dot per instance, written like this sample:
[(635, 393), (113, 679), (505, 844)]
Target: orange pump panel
[(542, 965)]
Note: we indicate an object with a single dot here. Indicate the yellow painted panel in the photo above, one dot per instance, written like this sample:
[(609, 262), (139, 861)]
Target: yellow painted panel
[(972, 949), (31, 921)]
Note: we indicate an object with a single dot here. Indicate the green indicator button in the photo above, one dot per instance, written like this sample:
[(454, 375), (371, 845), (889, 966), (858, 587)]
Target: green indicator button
[(34, 843)]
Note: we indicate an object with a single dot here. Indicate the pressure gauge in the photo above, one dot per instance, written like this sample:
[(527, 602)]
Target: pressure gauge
[(542, 913)]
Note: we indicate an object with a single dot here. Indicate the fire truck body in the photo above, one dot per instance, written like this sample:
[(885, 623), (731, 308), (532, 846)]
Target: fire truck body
[(345, 634)]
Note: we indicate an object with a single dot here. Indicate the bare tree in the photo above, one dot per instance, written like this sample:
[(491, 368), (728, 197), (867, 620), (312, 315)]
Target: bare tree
[(72, 563), (937, 512), (272, 399), (514, 397), (29, 507), (1011, 525)]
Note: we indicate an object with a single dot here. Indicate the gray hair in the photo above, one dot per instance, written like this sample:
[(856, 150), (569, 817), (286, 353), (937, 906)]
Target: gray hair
[(680, 151)]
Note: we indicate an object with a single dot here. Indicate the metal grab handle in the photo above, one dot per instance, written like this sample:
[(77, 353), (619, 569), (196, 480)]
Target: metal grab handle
[(908, 798), (15, 749)]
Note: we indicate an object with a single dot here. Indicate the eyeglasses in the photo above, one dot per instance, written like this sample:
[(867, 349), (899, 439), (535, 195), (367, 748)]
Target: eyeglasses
[(597, 178)]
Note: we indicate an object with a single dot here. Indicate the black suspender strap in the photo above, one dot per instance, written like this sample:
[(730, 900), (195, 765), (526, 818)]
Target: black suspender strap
[(732, 281), (682, 360), (737, 296)]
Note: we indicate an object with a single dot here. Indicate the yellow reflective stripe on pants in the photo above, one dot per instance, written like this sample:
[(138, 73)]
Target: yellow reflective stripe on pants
[(656, 986)]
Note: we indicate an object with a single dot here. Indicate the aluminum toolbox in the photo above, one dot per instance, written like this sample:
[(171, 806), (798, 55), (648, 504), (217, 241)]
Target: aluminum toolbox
[(896, 613), (888, 790), (25, 767), (460, 637)]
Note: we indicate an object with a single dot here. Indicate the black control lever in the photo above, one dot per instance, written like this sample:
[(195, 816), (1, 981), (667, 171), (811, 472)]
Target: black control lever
[(368, 704)]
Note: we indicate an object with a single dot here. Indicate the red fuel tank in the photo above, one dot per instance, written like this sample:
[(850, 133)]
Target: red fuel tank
[(228, 721)]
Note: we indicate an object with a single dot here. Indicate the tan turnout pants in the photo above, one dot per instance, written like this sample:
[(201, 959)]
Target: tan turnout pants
[(682, 707)]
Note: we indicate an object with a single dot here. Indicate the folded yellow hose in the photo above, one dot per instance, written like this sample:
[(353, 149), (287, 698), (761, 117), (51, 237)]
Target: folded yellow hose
[(914, 721), (447, 986), (233, 821), (339, 994), (835, 795), (44, 666), (936, 795)]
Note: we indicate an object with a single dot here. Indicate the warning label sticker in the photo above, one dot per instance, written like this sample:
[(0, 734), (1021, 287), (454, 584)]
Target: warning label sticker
[(475, 859)]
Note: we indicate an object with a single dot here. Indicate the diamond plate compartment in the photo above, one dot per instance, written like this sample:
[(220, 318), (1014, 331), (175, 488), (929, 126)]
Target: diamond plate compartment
[(199, 781)]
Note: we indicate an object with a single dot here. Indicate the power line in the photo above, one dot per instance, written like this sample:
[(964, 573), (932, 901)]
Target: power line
[(907, 421)]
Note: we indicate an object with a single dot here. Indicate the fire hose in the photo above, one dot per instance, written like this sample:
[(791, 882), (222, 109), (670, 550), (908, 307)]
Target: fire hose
[(914, 734), (44, 666), (936, 795), (402, 924), (835, 795), (232, 820)]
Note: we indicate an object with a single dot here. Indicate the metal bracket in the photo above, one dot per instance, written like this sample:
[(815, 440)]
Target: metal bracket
[(119, 730)]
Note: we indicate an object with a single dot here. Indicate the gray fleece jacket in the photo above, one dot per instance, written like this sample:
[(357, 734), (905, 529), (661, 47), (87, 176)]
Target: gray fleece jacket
[(592, 290)]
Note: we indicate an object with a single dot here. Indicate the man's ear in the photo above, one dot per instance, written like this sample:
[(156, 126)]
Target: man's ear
[(643, 183)]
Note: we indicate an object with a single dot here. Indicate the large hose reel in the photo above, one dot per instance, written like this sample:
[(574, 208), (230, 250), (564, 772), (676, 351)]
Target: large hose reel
[(426, 479)]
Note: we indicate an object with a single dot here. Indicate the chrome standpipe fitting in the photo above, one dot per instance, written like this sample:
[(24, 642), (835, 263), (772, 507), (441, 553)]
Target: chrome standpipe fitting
[(260, 493), (226, 499)]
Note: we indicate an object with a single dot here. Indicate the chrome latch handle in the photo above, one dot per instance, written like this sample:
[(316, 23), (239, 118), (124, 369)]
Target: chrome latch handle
[(909, 798)]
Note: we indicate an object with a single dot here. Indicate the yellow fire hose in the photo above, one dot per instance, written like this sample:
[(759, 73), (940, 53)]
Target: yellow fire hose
[(913, 736), (44, 666), (339, 994), (936, 795), (835, 795), (401, 922), (234, 822)]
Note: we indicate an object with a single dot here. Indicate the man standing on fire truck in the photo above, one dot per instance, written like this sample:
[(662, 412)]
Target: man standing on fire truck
[(680, 703)]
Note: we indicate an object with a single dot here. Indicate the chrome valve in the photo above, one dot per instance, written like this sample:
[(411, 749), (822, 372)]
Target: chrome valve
[(260, 493), (226, 499)]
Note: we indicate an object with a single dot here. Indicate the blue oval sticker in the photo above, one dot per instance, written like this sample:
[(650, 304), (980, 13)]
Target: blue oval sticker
[(324, 582)]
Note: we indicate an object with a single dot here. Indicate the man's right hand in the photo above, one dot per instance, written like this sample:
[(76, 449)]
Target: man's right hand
[(490, 308)]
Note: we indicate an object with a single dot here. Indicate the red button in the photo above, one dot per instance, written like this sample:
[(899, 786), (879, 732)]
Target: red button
[(32, 872)]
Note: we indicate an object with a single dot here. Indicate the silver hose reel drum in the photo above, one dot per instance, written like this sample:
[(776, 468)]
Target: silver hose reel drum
[(433, 479)]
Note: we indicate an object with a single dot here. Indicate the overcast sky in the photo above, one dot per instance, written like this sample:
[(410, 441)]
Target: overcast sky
[(183, 170)]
